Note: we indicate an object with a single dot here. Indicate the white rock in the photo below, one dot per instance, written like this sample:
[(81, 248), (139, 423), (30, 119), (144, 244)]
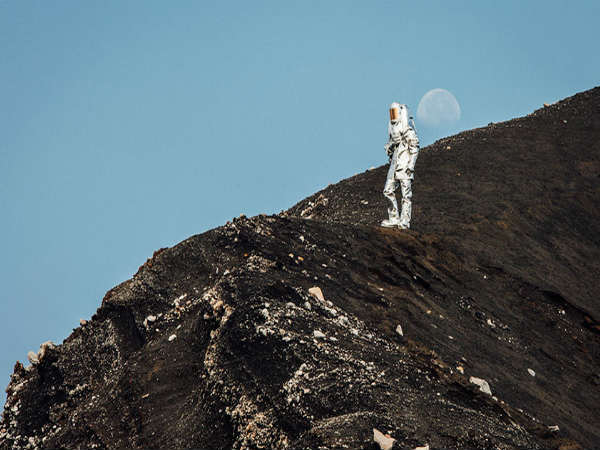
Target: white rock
[(460, 369), (422, 448), (151, 318), (318, 334), (553, 428), (316, 293), (385, 441), (32, 357), (172, 337), (217, 305), (399, 330), (343, 321), (82, 322), (483, 385), (48, 345), (307, 305), (531, 372)]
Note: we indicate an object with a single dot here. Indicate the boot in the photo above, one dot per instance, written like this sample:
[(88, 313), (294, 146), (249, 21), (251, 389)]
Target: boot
[(394, 217), (390, 223)]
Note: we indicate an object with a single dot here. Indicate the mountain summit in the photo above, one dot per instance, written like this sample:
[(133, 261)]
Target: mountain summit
[(317, 329)]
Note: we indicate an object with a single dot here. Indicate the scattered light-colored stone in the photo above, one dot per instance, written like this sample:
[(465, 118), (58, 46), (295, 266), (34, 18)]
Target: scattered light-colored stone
[(426, 447), (82, 322), (48, 345), (318, 334), (32, 357), (385, 441), (172, 337), (218, 305), (317, 293), (531, 372), (460, 369), (399, 330), (483, 385), (553, 428)]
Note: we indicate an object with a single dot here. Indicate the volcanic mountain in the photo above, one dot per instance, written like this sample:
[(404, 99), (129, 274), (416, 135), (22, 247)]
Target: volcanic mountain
[(476, 329)]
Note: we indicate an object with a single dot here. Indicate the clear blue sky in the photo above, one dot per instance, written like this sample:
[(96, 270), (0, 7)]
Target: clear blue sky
[(126, 126)]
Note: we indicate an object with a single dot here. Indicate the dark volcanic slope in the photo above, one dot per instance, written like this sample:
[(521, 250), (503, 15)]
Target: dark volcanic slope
[(216, 342), (247, 367)]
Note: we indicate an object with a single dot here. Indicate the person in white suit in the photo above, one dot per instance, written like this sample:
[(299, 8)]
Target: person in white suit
[(402, 148)]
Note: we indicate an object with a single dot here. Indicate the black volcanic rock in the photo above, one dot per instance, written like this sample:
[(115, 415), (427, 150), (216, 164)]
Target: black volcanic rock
[(216, 342)]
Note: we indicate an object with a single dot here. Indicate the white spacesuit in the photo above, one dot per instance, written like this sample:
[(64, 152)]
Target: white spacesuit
[(402, 149)]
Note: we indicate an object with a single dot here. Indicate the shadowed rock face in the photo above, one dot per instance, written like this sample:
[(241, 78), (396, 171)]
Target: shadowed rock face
[(216, 343)]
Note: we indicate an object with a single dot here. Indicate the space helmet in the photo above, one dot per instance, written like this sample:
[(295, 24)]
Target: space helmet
[(399, 113)]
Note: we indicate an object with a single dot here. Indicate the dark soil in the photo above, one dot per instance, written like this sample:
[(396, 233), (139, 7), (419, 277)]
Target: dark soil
[(498, 275)]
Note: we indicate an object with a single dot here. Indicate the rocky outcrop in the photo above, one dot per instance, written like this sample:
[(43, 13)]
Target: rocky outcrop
[(281, 331)]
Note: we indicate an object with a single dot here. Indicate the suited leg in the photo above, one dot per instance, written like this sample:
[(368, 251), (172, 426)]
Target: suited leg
[(389, 192), (405, 186)]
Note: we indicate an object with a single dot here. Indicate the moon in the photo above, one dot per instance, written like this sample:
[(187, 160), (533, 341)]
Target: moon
[(438, 107)]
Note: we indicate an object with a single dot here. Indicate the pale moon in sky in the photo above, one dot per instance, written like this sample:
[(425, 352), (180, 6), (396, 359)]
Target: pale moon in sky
[(438, 107)]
